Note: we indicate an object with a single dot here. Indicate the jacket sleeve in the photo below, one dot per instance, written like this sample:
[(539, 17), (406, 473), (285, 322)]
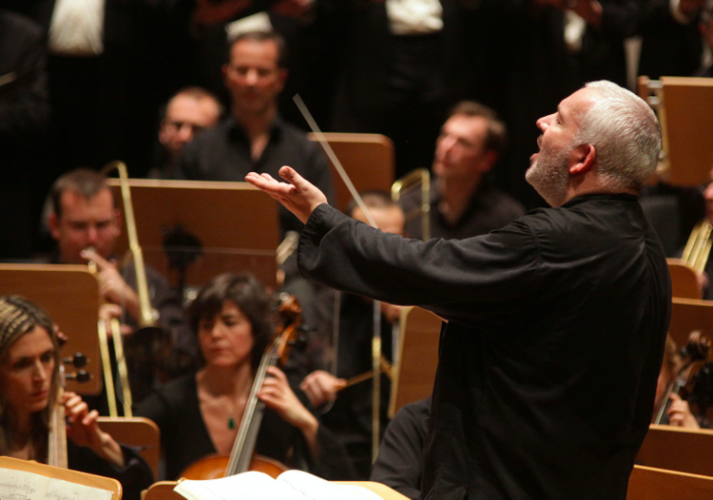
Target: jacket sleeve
[(459, 280)]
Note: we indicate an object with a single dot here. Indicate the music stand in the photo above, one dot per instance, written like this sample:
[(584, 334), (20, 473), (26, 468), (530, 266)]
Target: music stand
[(415, 369), (235, 223), (70, 295), (368, 159), (688, 315), (686, 116), (675, 448)]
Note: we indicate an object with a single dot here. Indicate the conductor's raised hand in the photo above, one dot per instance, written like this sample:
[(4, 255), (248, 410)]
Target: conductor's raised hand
[(299, 196)]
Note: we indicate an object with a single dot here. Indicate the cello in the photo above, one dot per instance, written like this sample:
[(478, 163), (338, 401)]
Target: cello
[(696, 351), (242, 457)]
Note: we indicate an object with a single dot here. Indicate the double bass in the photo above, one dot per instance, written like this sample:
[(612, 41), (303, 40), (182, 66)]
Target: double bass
[(242, 457)]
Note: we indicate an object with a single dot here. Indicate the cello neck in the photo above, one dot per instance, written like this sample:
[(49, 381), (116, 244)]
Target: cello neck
[(57, 438), (244, 445)]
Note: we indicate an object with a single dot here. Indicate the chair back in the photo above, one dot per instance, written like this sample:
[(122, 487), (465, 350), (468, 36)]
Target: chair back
[(137, 432), (415, 369)]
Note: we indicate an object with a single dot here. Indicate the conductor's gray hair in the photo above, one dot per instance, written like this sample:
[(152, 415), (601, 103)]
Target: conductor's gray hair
[(625, 134)]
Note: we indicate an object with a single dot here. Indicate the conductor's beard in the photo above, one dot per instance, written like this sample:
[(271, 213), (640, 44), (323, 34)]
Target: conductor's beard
[(549, 175)]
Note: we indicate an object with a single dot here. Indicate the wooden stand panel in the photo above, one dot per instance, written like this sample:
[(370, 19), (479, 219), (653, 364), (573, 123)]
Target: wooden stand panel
[(137, 432), (686, 115), (368, 160), (646, 483), (415, 370), (236, 224), (688, 315), (70, 295), (683, 280), (679, 449)]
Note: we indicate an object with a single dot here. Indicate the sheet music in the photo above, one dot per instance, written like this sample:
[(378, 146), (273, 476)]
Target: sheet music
[(64, 490), (21, 485)]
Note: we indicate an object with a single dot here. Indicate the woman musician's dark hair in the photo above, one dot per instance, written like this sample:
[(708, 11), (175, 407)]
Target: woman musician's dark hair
[(249, 294), (19, 316)]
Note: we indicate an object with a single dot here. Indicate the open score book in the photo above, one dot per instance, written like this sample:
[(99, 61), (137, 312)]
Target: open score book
[(291, 485)]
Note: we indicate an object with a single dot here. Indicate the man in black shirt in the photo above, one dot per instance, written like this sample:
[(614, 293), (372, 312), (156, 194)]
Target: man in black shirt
[(253, 136), (464, 202), (556, 323)]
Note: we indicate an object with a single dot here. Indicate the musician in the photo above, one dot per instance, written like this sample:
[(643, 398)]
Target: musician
[(399, 464), (464, 202), (349, 415), (188, 111), (530, 400), (254, 136), (679, 413), (200, 414), (29, 383), (86, 225)]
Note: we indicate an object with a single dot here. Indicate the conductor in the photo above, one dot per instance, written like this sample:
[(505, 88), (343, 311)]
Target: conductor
[(555, 324)]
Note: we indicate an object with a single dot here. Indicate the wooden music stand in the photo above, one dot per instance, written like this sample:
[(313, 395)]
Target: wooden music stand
[(688, 315), (415, 369), (72, 476), (137, 432), (647, 483), (684, 283), (679, 449), (380, 489), (368, 159), (163, 490), (70, 295), (686, 116), (237, 226)]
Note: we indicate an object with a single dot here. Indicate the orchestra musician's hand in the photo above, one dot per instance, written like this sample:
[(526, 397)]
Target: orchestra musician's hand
[(112, 286), (278, 396), (299, 196), (703, 282), (83, 429), (321, 387), (679, 413)]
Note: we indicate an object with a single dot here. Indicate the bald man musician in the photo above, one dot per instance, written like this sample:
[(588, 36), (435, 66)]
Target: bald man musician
[(530, 400)]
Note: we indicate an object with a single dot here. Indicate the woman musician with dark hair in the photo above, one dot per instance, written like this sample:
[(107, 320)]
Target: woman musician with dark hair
[(200, 415)]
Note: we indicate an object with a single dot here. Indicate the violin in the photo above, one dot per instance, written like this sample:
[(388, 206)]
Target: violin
[(242, 457), (696, 351)]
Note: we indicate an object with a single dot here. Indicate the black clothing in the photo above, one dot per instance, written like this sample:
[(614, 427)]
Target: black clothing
[(24, 116), (549, 363), (399, 464), (350, 418), (668, 48), (489, 209), (223, 153), (184, 357), (176, 410), (134, 477)]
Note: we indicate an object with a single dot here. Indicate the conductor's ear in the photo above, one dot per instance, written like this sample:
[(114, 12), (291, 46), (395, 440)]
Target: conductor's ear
[(582, 158)]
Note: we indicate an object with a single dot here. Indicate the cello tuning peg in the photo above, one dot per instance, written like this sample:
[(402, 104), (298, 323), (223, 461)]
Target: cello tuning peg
[(78, 360), (80, 376)]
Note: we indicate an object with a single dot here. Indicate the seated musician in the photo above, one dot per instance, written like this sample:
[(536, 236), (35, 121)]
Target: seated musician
[(679, 412), (350, 414), (86, 226), (200, 414), (29, 382)]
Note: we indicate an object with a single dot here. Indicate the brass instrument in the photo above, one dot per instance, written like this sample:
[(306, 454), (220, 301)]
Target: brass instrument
[(149, 340), (413, 180), (698, 247)]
